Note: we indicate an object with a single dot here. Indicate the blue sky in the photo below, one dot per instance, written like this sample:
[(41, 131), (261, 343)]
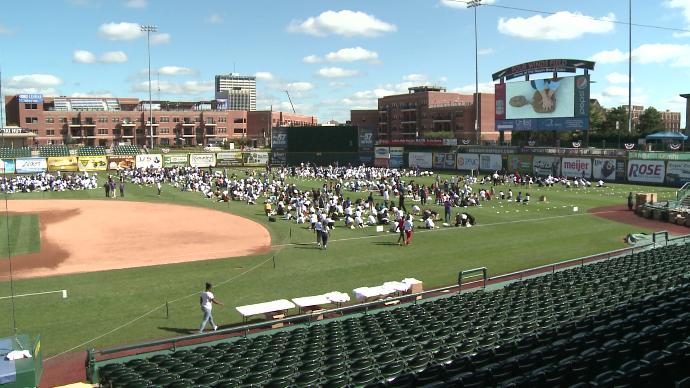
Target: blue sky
[(334, 56)]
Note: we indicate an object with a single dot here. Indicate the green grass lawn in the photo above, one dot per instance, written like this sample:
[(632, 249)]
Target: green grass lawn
[(125, 306), (23, 237)]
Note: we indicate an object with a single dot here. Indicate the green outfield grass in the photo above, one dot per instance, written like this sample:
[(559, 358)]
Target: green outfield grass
[(23, 237), (508, 237)]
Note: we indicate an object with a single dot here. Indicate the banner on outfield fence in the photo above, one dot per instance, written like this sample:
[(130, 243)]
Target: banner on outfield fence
[(520, 163), (93, 163), (420, 159), (490, 162), (651, 171), (30, 165), (62, 163), (365, 139), (381, 162), (576, 167), (149, 161), (7, 166), (234, 159), (206, 160), (621, 172), (677, 172), (604, 169), (444, 160), (255, 158), (467, 162), (396, 159), (659, 155), (546, 165), (277, 159), (382, 152), (120, 162), (175, 160), (279, 139)]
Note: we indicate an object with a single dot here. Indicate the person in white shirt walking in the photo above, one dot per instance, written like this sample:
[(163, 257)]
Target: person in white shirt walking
[(207, 300)]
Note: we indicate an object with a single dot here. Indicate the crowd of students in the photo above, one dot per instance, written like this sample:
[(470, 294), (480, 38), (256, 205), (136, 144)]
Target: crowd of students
[(41, 182)]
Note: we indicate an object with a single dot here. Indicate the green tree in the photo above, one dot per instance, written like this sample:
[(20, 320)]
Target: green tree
[(620, 115), (650, 122), (597, 116)]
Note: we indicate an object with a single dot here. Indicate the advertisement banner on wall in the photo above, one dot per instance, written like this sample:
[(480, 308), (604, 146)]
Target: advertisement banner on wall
[(120, 162), (30, 165), (439, 160), (206, 160), (577, 167), (621, 172), (677, 173), (467, 162), (520, 163), (175, 160), (62, 163), (382, 152), (396, 157), (277, 159), (652, 171), (420, 159), (149, 161), (279, 139), (7, 166), (93, 163), (604, 169), (381, 162), (234, 159), (546, 165), (255, 158), (450, 161), (490, 162), (366, 139)]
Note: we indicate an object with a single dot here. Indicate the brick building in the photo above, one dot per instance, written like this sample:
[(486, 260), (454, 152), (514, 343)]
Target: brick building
[(104, 121), (427, 109), (671, 119)]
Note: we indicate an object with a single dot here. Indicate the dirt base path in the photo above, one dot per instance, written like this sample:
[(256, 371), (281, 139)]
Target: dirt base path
[(85, 236), (620, 213)]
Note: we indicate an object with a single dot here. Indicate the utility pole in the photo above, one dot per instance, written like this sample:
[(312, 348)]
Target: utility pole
[(630, 115), (149, 29), (474, 4)]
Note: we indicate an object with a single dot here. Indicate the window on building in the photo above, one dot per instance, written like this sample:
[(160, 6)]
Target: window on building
[(102, 131), (50, 132), (62, 120), (165, 130), (222, 119), (165, 142), (209, 120), (102, 119), (30, 106), (50, 120), (31, 120), (238, 130), (222, 130), (241, 120), (116, 120), (165, 119), (176, 119)]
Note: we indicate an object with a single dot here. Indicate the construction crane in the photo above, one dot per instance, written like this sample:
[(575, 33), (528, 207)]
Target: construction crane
[(290, 99)]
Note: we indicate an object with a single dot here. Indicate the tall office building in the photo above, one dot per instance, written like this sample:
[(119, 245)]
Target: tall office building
[(238, 90)]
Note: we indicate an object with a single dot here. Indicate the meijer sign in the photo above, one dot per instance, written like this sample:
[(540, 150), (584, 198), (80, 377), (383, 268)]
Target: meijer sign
[(652, 171)]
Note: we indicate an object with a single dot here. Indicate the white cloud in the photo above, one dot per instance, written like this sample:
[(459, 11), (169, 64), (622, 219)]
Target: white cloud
[(615, 91), (264, 76), (617, 78), (160, 38), (114, 57), (676, 100), (83, 56), (136, 3), (176, 70), (484, 87), (609, 56), (559, 26), (462, 4), (684, 5), (676, 55), (352, 54), (214, 19), (415, 77), (32, 83), (120, 31), (311, 59), (95, 93), (485, 51), (336, 72), (337, 84), (300, 86), (346, 23), (192, 88)]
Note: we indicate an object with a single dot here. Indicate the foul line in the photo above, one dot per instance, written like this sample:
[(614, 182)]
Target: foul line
[(450, 228)]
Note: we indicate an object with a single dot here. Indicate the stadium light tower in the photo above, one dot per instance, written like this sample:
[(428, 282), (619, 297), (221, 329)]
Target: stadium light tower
[(148, 29), (474, 4)]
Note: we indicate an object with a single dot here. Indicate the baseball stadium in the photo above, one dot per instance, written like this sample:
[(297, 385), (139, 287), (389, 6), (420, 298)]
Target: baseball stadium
[(498, 238)]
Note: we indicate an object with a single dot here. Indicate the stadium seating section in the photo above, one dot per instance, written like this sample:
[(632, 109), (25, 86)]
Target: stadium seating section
[(53, 150), (20, 152), (91, 151), (126, 150), (622, 321)]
